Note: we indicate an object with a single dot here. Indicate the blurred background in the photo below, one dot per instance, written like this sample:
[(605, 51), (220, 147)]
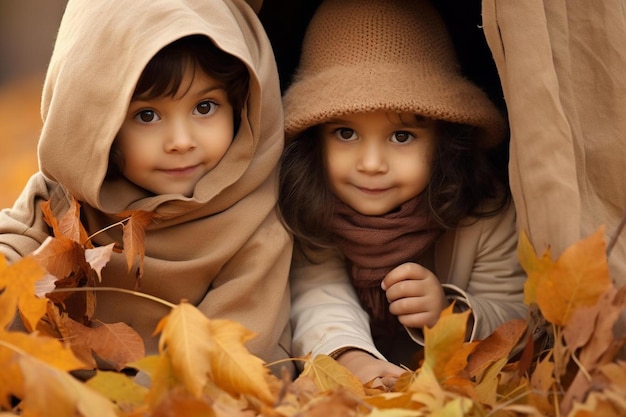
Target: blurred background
[(27, 32)]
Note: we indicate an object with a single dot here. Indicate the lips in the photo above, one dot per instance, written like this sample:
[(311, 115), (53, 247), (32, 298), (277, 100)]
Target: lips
[(180, 172)]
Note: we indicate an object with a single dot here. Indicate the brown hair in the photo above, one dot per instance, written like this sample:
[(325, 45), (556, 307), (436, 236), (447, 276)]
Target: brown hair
[(163, 75), (463, 176)]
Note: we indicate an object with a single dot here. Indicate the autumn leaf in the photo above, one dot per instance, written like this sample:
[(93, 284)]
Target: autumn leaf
[(46, 349), (445, 349), (116, 344), (535, 268), (200, 348), (61, 256), (98, 257), (119, 388), (577, 279), (17, 285), (134, 236), (328, 374), (51, 392), (69, 226), (496, 346)]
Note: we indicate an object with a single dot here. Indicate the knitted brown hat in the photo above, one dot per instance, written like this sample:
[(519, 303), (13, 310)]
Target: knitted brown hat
[(365, 55)]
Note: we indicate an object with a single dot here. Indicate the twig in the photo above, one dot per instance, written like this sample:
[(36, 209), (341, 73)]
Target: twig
[(114, 289)]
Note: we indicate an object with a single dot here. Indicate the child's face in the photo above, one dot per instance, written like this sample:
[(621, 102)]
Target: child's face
[(376, 161), (169, 143)]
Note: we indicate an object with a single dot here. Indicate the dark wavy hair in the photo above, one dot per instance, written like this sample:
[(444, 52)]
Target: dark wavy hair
[(463, 176), (163, 75)]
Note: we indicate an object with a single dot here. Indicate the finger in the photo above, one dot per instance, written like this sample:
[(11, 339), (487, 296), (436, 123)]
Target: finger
[(408, 270)]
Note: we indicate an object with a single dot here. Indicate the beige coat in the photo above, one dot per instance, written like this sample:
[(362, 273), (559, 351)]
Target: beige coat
[(477, 265), (223, 249)]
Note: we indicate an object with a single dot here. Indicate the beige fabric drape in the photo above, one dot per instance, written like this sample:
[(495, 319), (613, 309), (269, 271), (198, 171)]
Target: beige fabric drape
[(562, 66)]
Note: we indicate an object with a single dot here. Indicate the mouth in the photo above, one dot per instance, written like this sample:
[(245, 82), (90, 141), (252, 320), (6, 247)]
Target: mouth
[(372, 191), (180, 172)]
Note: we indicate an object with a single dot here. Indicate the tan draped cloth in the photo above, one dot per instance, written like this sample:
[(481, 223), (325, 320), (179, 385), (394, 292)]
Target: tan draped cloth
[(563, 72)]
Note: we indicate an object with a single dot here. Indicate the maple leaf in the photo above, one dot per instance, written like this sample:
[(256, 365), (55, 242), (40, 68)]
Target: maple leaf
[(535, 268), (17, 282), (200, 348), (328, 374), (134, 236), (445, 349), (576, 279)]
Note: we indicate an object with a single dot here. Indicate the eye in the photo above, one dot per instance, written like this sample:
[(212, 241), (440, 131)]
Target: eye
[(205, 108), (402, 137), (147, 116), (345, 134)]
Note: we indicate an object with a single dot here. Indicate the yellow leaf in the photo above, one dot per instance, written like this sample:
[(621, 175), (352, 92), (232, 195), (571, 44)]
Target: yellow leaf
[(17, 282), (46, 349), (487, 388), (328, 374), (118, 388), (445, 349), (11, 381), (535, 267), (200, 349), (50, 392), (577, 279)]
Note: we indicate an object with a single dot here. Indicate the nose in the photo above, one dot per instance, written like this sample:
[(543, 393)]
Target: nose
[(371, 159), (180, 138)]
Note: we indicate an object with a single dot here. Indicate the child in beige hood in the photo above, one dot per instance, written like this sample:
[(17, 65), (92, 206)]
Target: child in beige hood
[(172, 107)]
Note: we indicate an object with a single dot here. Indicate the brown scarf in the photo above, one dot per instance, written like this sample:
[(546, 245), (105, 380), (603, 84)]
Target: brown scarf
[(374, 245)]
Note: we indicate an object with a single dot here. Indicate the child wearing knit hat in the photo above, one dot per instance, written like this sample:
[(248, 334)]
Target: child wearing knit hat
[(386, 173)]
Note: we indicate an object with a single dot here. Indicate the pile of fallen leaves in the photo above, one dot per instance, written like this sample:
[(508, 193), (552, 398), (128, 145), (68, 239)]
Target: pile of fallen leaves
[(204, 369)]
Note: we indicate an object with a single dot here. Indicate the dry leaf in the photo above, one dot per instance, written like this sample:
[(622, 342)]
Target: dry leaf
[(445, 349), (328, 375), (200, 348), (134, 236), (17, 290), (50, 392)]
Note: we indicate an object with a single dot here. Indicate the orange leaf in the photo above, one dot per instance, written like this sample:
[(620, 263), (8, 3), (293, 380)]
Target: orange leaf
[(117, 344), (49, 392), (536, 268), (577, 279), (11, 381), (134, 236), (17, 283), (445, 349), (496, 346), (200, 348), (328, 374), (45, 349), (60, 256)]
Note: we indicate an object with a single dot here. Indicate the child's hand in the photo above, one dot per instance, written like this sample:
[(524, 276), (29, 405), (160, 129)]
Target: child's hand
[(367, 368), (415, 295)]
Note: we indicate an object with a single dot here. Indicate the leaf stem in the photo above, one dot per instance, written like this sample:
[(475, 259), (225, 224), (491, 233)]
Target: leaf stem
[(111, 226), (114, 289)]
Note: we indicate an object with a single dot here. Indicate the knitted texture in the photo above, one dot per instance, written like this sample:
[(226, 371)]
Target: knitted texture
[(366, 55)]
